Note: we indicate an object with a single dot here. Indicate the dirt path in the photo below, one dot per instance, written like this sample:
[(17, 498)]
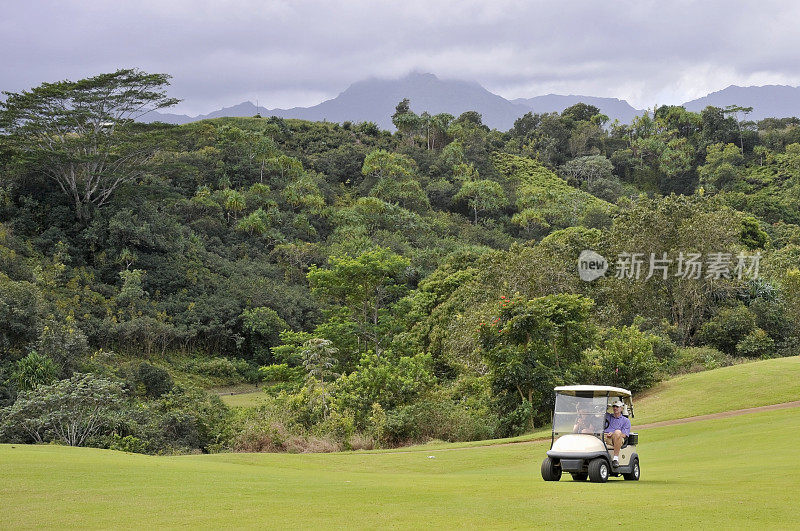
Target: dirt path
[(672, 422)]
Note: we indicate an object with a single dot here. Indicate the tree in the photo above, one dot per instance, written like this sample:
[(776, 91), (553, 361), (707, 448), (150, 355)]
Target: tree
[(364, 285), (482, 196), (83, 134), (406, 120), (735, 110), (70, 410), (588, 169), (530, 347), (20, 312), (319, 358), (722, 168)]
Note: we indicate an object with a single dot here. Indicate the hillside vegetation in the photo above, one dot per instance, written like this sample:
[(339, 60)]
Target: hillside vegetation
[(384, 288)]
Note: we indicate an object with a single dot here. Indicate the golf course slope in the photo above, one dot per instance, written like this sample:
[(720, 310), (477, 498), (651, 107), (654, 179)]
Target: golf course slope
[(730, 472)]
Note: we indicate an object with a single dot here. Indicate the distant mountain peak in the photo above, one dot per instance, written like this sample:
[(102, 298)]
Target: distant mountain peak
[(375, 99)]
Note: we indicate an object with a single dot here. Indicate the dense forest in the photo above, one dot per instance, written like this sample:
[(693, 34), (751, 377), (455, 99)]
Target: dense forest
[(382, 287)]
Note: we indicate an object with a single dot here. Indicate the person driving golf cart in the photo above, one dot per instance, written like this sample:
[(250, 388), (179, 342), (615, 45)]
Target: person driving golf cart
[(618, 427)]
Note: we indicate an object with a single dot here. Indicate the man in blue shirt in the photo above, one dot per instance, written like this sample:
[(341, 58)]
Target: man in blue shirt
[(617, 428)]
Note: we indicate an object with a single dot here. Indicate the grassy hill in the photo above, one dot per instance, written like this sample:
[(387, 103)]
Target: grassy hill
[(742, 386)]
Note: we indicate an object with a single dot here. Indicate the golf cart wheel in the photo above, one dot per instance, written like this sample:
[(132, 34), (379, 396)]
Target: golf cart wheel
[(550, 472), (598, 470), (580, 476), (634, 474)]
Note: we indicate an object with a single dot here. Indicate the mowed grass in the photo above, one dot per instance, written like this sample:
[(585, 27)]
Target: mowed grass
[(747, 385), (733, 472), (248, 399)]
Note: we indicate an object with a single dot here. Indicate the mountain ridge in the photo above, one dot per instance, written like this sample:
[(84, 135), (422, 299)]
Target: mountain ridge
[(374, 100)]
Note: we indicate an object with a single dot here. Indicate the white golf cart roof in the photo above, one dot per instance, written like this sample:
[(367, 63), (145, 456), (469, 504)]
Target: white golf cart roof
[(596, 390)]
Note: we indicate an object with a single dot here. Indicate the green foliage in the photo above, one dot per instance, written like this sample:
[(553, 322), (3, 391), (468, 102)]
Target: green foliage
[(756, 344), (65, 344), (83, 133), (364, 285), (388, 382), (71, 411), (696, 359), (726, 329), (239, 240), (752, 236), (722, 167), (624, 358), (153, 380), (481, 196), (20, 313), (34, 369), (128, 443), (544, 201), (262, 327), (529, 348), (281, 372)]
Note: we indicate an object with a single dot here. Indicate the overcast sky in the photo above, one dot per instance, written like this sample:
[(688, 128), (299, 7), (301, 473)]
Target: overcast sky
[(286, 54)]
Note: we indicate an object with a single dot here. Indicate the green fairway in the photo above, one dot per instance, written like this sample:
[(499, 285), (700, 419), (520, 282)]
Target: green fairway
[(742, 386), (701, 474)]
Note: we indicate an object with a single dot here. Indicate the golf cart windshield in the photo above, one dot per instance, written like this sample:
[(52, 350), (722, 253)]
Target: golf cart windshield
[(576, 414)]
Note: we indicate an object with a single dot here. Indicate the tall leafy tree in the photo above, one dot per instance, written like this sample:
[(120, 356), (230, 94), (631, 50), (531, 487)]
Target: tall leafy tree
[(84, 135), (365, 286)]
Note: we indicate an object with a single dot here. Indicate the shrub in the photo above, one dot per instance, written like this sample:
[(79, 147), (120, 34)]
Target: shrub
[(128, 443), (727, 328), (185, 420), (153, 380), (337, 427), (20, 306), (697, 359), (436, 419), (756, 344), (624, 358), (233, 371), (65, 343), (281, 373), (34, 369)]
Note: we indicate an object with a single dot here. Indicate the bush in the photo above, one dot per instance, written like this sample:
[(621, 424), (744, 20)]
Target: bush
[(433, 419), (697, 359), (154, 381), (128, 443), (756, 344), (281, 373), (20, 306), (65, 343), (184, 420), (34, 369), (624, 358), (232, 371), (727, 328)]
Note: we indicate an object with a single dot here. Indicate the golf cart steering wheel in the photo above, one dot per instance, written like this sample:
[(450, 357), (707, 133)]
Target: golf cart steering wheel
[(605, 425)]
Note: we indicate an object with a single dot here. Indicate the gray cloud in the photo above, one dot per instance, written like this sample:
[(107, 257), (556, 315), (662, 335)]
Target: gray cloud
[(298, 53)]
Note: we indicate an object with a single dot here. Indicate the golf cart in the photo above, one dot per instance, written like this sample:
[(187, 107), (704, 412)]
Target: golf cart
[(577, 444)]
